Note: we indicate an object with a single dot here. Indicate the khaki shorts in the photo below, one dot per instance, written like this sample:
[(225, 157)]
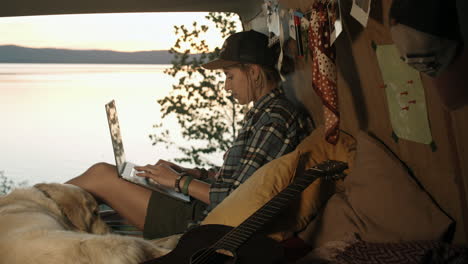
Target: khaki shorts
[(167, 216)]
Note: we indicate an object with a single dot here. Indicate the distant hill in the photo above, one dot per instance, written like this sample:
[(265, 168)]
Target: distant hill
[(17, 54)]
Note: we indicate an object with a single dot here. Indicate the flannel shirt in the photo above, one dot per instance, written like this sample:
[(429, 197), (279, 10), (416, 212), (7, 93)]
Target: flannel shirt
[(271, 128)]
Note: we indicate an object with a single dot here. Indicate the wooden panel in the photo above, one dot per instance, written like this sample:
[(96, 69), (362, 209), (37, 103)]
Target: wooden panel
[(443, 173), (366, 73), (437, 170), (302, 79), (431, 169), (453, 89), (245, 8), (452, 84), (303, 5), (460, 128), (379, 22)]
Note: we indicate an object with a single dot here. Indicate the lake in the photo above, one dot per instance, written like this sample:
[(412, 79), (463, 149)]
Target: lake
[(53, 120)]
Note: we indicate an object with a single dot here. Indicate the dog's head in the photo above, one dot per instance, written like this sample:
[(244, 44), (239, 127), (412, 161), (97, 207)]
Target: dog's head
[(77, 205)]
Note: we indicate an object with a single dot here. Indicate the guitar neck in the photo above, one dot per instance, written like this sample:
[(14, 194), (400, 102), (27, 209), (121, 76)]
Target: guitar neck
[(268, 211)]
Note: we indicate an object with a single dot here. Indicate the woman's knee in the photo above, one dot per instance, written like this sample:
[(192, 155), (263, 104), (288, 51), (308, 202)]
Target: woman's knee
[(96, 177), (101, 171)]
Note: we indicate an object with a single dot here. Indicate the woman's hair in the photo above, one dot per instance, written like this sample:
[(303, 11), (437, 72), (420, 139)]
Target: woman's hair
[(267, 74)]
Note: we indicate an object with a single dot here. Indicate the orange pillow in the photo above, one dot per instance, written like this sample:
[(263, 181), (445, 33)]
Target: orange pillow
[(276, 175), (381, 202)]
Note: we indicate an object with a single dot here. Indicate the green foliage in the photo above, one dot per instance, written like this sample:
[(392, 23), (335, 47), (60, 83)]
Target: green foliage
[(208, 116), (7, 185)]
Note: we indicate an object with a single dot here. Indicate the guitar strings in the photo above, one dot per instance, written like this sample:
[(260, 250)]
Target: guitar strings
[(210, 253)]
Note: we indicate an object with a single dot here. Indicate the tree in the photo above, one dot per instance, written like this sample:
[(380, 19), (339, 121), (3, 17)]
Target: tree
[(6, 184), (209, 117)]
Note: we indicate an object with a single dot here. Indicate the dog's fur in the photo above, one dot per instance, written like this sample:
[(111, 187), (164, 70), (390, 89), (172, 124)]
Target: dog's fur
[(59, 223)]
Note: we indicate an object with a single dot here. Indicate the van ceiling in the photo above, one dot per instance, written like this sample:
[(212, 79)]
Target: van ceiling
[(246, 9)]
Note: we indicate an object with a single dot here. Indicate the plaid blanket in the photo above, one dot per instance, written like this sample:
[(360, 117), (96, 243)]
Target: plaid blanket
[(422, 252), (118, 224)]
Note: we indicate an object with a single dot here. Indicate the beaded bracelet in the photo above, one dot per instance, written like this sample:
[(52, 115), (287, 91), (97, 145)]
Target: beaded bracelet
[(177, 182), (185, 188)]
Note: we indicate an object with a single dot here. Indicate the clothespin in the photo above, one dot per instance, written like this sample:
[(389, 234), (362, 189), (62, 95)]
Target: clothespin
[(297, 25)]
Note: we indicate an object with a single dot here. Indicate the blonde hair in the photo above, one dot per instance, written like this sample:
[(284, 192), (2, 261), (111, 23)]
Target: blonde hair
[(268, 75)]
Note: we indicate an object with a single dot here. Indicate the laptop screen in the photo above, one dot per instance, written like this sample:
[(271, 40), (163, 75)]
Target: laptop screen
[(116, 138)]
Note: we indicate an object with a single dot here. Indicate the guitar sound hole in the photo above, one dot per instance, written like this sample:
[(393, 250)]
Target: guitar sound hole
[(211, 256)]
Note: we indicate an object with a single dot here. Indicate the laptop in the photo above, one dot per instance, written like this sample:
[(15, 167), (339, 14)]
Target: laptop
[(126, 169)]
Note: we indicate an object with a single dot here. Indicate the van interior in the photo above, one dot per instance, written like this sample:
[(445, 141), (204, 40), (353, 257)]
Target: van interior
[(409, 117)]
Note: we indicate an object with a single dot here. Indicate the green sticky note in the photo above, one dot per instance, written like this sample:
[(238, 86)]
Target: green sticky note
[(405, 96)]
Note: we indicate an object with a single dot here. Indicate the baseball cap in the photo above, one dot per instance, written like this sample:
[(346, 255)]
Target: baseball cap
[(426, 33), (244, 47)]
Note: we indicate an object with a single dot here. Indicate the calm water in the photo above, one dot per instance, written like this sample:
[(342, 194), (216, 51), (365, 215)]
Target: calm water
[(53, 121)]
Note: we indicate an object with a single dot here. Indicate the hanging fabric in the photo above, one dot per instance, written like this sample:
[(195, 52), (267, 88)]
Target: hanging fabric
[(324, 73)]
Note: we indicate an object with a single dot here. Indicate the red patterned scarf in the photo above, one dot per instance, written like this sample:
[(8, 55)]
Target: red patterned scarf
[(324, 69)]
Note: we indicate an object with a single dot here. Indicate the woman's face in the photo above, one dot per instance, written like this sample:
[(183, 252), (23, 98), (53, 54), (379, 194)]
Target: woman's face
[(238, 84)]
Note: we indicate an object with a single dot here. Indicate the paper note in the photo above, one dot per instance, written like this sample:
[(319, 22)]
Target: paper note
[(334, 17), (405, 96), (360, 11)]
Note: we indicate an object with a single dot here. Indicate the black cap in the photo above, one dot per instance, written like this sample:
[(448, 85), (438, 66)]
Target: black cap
[(244, 47)]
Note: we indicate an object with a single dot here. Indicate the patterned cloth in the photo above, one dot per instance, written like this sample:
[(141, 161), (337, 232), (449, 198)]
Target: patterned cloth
[(272, 128), (323, 66), (406, 252)]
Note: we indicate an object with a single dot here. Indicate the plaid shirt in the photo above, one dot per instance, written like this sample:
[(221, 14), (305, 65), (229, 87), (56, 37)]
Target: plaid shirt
[(272, 128)]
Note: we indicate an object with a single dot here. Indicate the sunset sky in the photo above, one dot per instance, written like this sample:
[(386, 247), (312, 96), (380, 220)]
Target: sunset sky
[(120, 32), (52, 109)]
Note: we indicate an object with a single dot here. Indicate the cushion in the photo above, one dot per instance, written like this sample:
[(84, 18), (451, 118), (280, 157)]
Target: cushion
[(381, 202), (276, 175)]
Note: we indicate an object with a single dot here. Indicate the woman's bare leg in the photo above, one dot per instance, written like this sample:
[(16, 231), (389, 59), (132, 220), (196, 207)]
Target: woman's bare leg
[(128, 199)]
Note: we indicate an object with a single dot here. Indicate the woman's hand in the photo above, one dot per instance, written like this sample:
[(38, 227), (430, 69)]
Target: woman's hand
[(170, 164), (162, 173), (179, 169)]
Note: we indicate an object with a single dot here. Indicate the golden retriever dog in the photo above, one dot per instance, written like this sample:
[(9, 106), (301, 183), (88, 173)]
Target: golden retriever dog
[(59, 223)]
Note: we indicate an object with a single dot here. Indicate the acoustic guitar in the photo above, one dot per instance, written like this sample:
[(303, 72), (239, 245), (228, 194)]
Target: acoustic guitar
[(243, 244)]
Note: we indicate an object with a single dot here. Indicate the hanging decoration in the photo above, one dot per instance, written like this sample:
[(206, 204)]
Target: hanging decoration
[(295, 30), (324, 73), (334, 15), (273, 21), (360, 11), (277, 22)]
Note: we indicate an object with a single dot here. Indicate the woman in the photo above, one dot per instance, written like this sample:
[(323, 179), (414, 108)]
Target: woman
[(272, 128)]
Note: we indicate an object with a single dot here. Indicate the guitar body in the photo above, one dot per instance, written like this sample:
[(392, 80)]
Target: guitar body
[(193, 245), (203, 244)]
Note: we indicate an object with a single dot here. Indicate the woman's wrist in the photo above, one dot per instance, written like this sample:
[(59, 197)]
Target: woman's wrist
[(177, 185), (186, 184), (197, 189)]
